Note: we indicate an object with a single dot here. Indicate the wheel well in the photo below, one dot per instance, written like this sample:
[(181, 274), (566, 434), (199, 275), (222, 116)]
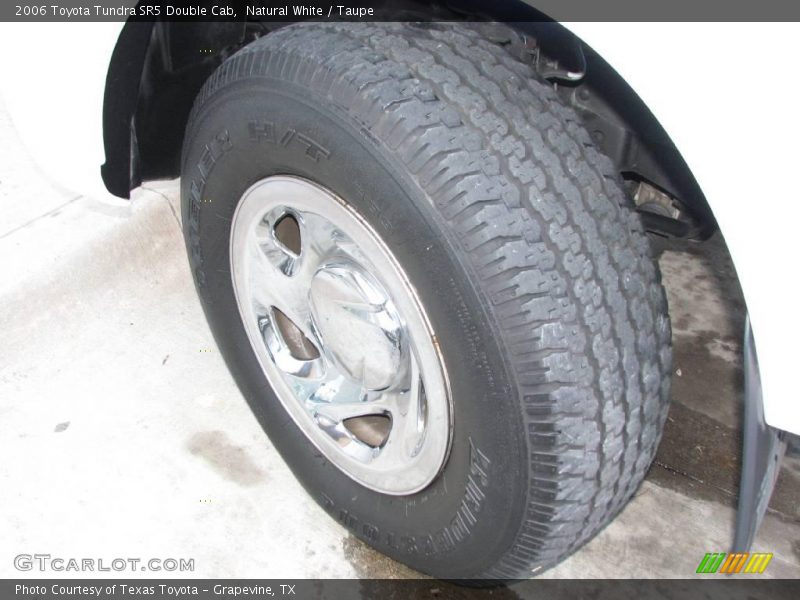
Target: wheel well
[(158, 68)]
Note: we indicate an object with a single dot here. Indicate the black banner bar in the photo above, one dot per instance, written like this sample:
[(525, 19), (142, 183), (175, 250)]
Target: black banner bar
[(393, 10), (711, 588)]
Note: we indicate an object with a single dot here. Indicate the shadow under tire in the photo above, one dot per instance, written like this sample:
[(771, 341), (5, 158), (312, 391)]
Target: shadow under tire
[(527, 256)]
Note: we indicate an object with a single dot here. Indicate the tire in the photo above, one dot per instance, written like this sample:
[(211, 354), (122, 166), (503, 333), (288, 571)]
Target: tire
[(516, 234)]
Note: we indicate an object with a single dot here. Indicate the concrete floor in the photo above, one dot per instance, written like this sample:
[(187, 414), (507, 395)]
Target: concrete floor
[(124, 434)]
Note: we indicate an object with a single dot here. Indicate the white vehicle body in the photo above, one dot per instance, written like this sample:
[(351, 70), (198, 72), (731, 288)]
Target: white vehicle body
[(714, 95)]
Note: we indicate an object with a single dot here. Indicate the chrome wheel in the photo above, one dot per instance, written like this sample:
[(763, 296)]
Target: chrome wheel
[(340, 334)]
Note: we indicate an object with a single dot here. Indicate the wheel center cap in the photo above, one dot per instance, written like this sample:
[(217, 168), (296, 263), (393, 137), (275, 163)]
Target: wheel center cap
[(358, 325)]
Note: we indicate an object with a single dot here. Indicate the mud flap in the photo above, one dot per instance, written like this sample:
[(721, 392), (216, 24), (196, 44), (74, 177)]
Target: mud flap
[(761, 456)]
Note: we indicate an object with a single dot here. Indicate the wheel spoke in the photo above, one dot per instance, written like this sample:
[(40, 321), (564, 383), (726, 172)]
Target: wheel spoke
[(271, 286), (284, 357), (408, 423)]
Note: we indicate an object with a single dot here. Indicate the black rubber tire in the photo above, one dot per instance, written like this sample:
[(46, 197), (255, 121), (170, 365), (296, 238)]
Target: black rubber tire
[(526, 252)]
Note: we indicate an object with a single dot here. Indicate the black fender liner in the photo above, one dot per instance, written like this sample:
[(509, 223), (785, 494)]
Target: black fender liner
[(156, 70), (120, 99)]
